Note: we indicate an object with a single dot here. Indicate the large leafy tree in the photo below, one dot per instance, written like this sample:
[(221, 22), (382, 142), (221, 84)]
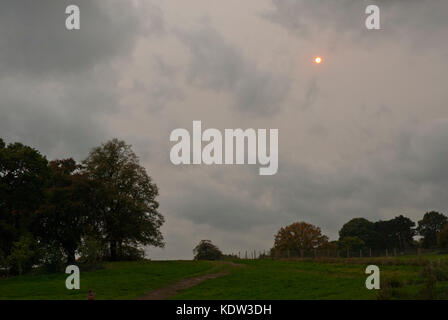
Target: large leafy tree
[(431, 224), (125, 198), (362, 229), (206, 250), (65, 217), (299, 236), (23, 176), (395, 233)]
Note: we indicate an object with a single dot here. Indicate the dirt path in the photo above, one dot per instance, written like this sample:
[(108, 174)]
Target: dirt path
[(174, 289)]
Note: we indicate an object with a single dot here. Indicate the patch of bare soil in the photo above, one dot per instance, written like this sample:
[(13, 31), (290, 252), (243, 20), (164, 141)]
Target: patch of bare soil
[(174, 289)]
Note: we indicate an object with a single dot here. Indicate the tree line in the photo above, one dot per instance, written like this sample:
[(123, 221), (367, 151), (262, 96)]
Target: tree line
[(56, 212), (358, 234), (104, 208), (399, 232)]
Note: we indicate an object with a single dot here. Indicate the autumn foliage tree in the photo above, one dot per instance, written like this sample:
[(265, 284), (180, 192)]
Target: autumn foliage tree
[(299, 236)]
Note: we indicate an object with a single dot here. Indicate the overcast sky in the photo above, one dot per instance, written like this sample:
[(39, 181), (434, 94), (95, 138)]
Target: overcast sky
[(362, 135)]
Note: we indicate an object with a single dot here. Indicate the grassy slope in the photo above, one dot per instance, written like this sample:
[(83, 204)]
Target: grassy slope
[(256, 279), (265, 279), (120, 280)]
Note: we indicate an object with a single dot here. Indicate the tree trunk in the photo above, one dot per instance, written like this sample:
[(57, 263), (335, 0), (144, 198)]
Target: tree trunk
[(113, 251), (71, 259)]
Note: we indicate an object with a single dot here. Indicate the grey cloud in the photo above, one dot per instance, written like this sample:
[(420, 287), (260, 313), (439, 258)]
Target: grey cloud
[(413, 176), (221, 208), (162, 88), (58, 86), (311, 94), (303, 16), (54, 115), (421, 23), (34, 40), (424, 153), (217, 65)]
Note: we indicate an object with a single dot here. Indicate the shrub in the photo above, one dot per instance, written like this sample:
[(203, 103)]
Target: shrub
[(389, 288), (206, 250), (430, 280), (24, 255)]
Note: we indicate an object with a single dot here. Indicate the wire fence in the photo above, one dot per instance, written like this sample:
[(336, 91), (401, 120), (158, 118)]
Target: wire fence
[(332, 253)]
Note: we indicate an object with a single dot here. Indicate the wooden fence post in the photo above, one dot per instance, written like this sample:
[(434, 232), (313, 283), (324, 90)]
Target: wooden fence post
[(370, 252)]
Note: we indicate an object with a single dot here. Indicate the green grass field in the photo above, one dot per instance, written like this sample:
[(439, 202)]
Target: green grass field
[(266, 279), (402, 278), (119, 280)]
